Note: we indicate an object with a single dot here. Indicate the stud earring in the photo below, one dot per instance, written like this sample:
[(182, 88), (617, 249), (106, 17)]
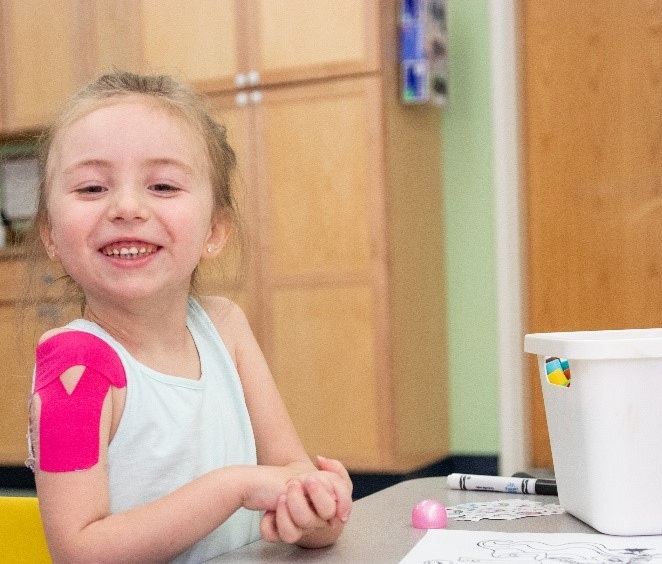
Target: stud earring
[(210, 249)]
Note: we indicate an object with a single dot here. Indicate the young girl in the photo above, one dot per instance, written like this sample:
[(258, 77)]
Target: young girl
[(157, 431)]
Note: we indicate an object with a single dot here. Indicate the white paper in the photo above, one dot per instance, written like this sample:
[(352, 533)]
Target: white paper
[(441, 546), (20, 179)]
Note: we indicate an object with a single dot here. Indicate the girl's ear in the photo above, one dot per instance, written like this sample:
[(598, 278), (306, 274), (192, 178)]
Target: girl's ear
[(218, 235), (47, 240)]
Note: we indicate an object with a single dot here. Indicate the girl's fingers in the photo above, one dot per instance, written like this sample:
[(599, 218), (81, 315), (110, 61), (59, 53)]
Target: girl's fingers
[(335, 466), (322, 500), (302, 507), (288, 531), (332, 465), (268, 528), (342, 489)]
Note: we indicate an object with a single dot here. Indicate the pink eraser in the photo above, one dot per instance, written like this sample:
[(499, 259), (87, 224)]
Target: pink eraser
[(429, 514)]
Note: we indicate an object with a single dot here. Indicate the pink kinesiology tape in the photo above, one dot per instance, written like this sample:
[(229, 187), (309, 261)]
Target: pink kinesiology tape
[(69, 423)]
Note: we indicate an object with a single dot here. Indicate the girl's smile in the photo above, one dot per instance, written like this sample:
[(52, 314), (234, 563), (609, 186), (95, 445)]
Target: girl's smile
[(129, 254), (129, 250)]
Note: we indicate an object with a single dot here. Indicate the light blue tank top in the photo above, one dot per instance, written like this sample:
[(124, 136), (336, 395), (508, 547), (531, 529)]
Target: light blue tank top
[(174, 429)]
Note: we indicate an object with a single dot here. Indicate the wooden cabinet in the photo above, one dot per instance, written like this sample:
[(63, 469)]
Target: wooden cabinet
[(14, 387), (347, 261), (51, 47), (221, 45), (38, 60), (21, 324), (316, 273), (111, 36), (195, 41), (341, 195), (295, 40)]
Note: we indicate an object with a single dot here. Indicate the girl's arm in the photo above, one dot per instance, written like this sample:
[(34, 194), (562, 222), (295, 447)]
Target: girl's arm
[(79, 527), (313, 510), (75, 505)]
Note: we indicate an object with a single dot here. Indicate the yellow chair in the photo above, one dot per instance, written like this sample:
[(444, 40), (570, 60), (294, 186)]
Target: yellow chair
[(22, 537)]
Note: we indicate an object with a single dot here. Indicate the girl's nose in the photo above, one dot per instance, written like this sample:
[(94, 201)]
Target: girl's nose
[(128, 204)]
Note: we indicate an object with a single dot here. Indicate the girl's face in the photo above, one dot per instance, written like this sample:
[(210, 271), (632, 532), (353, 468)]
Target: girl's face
[(130, 206)]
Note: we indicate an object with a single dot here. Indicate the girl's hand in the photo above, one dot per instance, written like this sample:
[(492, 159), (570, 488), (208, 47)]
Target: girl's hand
[(313, 509)]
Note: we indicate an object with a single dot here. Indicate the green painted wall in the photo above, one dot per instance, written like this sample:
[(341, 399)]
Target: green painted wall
[(470, 239)]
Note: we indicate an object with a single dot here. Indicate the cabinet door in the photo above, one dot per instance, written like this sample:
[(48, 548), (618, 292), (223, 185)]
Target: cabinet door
[(3, 93), (112, 35), (17, 353), (40, 58), (20, 327), (296, 40), (196, 41), (321, 197)]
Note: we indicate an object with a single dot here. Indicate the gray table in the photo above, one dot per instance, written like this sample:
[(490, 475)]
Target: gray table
[(380, 527)]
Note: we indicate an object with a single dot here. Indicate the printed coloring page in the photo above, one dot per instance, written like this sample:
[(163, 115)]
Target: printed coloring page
[(441, 546)]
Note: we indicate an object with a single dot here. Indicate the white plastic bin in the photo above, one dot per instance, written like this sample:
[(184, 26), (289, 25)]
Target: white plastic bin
[(606, 427)]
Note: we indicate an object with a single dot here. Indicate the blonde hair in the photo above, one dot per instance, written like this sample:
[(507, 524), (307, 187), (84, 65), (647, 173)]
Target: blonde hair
[(170, 95)]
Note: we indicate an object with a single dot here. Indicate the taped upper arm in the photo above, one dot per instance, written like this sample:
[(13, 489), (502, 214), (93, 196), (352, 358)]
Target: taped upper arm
[(73, 375)]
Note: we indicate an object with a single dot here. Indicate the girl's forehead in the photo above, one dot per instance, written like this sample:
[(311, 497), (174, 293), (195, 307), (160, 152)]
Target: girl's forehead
[(132, 122), (127, 110)]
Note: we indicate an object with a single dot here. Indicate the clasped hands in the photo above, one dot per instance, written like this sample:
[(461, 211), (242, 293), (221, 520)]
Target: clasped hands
[(311, 510)]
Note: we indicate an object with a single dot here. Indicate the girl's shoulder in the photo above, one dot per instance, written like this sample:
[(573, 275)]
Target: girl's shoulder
[(64, 347), (229, 320), (52, 333), (222, 311)]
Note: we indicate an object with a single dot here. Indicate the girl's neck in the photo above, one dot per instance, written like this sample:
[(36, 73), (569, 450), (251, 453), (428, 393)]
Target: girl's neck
[(156, 336), (141, 325)]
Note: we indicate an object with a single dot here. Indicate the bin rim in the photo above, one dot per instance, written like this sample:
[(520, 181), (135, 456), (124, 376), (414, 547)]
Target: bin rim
[(603, 344)]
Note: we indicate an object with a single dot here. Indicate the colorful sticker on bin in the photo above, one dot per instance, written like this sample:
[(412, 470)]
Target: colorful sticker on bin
[(558, 371)]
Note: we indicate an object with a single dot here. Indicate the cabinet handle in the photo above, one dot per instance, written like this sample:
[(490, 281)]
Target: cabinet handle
[(253, 78), (240, 80), (255, 96), (241, 99)]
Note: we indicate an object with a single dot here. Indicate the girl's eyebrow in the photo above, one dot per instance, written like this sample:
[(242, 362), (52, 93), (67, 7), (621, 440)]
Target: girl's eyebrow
[(168, 161), (157, 161), (86, 163)]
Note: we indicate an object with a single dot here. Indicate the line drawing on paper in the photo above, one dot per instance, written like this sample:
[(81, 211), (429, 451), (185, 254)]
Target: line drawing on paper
[(535, 552)]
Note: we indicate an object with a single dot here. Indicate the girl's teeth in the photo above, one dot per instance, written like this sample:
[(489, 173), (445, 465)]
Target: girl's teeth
[(129, 252)]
